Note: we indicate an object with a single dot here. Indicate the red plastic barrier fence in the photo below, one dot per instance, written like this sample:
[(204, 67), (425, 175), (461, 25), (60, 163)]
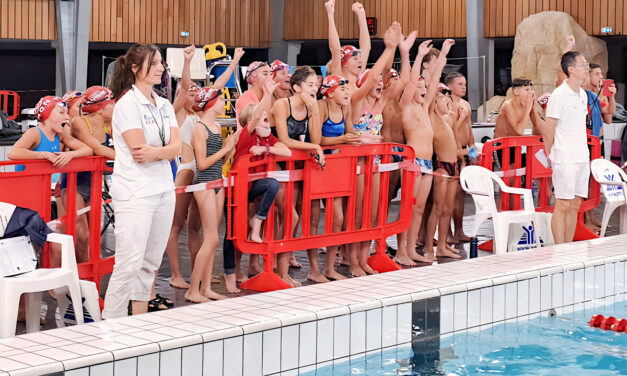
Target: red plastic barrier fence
[(32, 189), (533, 169), (10, 103), (337, 179)]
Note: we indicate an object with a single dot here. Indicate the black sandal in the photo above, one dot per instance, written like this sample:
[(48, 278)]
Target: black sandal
[(156, 305), (168, 302)]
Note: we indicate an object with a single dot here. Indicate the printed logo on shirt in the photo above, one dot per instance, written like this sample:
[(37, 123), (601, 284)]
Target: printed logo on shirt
[(149, 120)]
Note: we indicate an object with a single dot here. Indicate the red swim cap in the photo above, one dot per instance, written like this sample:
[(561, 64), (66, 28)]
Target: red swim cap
[(363, 76), (72, 97), (205, 98), (96, 98), (45, 106), (276, 66), (348, 52), (544, 99), (332, 82)]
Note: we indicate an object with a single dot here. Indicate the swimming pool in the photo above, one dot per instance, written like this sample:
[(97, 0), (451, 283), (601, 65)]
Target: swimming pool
[(561, 345)]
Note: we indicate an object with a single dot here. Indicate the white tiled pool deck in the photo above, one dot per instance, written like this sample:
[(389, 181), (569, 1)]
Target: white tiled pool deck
[(290, 331)]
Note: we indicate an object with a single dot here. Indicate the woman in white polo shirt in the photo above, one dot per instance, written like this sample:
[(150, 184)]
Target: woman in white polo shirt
[(146, 137)]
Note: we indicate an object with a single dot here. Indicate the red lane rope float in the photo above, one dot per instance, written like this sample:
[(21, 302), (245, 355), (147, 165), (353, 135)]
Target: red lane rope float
[(608, 323)]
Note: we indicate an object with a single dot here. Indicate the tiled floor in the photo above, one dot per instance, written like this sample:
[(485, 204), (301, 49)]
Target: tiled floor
[(321, 311), (300, 275)]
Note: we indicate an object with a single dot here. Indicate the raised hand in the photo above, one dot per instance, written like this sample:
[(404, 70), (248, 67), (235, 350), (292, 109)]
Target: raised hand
[(269, 86), (424, 48), (330, 6), (446, 46), (188, 52), (237, 54), (570, 40), (408, 42), (393, 35), (358, 9)]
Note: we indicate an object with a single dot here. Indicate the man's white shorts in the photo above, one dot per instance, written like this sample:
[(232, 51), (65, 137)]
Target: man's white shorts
[(571, 179)]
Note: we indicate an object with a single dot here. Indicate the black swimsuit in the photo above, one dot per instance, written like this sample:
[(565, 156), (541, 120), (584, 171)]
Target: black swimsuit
[(297, 128)]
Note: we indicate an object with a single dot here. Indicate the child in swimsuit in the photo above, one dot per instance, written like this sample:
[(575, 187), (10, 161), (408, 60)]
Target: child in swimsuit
[(36, 143), (334, 105), (210, 152)]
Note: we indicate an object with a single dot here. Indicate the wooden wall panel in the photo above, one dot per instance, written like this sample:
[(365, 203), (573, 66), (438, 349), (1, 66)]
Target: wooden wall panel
[(501, 17), (307, 19), (243, 23), (27, 19)]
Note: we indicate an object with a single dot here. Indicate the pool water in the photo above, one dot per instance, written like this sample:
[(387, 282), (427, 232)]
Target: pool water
[(561, 345)]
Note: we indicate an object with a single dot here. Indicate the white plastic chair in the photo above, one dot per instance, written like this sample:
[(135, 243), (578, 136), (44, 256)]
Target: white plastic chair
[(34, 283), (479, 182), (613, 182)]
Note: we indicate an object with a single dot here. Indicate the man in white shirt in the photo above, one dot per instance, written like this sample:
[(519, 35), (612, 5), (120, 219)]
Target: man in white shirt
[(566, 141)]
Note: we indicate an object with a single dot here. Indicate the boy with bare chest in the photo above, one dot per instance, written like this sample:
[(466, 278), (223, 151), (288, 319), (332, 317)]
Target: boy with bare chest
[(444, 185), (417, 128), (462, 129)]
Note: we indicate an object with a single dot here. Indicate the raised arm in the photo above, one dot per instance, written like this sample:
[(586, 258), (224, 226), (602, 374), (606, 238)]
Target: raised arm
[(186, 77), (334, 38), (224, 77), (391, 39), (364, 35), (404, 47), (414, 76), (264, 106), (432, 88)]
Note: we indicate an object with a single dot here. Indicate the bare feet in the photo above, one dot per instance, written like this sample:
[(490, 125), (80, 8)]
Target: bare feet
[(454, 250), (215, 279), (415, 256), (255, 229), (594, 221), (368, 269), (333, 275), (240, 277), (290, 281), (294, 263), (452, 240), (208, 293), (196, 297), (404, 260), (254, 269), (447, 253), (231, 284), (356, 271), (317, 277), (461, 238), (178, 282)]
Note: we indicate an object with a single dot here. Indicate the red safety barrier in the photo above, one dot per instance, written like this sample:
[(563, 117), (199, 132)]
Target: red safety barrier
[(11, 107), (32, 189), (337, 179), (529, 166)]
